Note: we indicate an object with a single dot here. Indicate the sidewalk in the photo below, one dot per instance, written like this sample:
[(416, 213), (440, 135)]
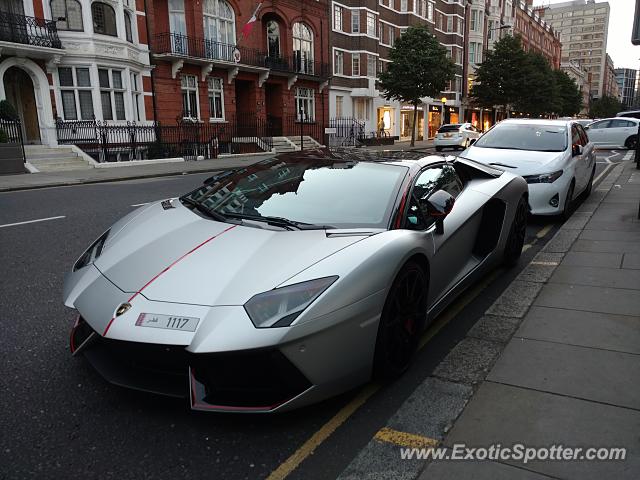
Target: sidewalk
[(94, 175), (554, 361)]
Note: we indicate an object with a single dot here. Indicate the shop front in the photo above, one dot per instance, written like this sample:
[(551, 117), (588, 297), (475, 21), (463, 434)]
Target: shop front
[(434, 119), (406, 123), (385, 121)]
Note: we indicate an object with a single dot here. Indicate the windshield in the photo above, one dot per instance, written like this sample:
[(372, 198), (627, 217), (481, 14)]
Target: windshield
[(525, 136), (449, 128), (319, 192)]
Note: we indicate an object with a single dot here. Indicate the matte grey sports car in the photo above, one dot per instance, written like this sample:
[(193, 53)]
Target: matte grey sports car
[(283, 283)]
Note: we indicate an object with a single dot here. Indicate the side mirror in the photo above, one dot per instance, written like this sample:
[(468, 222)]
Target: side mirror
[(576, 150), (586, 127), (472, 141), (438, 205)]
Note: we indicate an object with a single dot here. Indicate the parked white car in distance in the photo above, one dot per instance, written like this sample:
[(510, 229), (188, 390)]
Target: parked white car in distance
[(455, 135), (555, 157), (614, 132)]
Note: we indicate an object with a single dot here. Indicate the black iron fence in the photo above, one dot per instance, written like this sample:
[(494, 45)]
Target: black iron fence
[(189, 46), (107, 142), (39, 32), (295, 127), (346, 132)]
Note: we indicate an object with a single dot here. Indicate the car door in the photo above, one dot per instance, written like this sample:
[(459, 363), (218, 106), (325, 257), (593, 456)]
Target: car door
[(625, 129), (616, 133), (596, 132), (588, 157), (453, 248), (578, 160)]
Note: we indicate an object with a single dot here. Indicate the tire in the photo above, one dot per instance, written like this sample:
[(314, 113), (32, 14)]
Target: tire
[(517, 234), (587, 191), (403, 317), (630, 143), (438, 149), (568, 202)]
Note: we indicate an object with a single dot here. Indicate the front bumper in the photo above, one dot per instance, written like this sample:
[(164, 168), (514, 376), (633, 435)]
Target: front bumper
[(541, 194)]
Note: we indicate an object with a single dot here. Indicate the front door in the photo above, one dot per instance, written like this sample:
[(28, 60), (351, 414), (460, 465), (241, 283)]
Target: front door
[(20, 93), (273, 101)]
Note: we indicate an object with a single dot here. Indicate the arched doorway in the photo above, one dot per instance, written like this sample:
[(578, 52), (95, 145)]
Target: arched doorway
[(19, 91)]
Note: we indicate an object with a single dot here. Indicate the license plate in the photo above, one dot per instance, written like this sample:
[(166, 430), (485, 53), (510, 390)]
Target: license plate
[(167, 322), (447, 135)]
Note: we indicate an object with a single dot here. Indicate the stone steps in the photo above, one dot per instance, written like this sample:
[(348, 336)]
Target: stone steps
[(52, 159)]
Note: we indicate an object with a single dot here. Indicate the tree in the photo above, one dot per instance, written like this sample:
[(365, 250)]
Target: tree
[(538, 93), (605, 107), (419, 68), (499, 79), (569, 97)]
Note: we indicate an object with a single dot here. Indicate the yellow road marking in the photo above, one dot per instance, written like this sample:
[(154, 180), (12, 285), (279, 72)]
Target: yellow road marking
[(549, 264), (308, 447), (527, 246), (404, 439), (544, 230)]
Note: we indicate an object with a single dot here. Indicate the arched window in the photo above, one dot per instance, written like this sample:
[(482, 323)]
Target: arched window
[(303, 48), (219, 22), (67, 14), (104, 19), (127, 27), (273, 39)]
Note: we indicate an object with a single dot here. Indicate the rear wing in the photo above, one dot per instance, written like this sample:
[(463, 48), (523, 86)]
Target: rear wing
[(480, 169)]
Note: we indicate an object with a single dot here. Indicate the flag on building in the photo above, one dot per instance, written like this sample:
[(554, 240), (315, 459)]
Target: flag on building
[(246, 30)]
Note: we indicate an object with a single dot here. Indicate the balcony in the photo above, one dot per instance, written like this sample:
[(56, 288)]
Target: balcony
[(180, 48), (36, 37)]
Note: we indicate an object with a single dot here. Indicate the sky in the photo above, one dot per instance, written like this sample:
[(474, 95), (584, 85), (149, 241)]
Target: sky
[(619, 46)]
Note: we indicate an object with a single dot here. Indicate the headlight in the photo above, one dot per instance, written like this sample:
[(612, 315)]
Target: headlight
[(281, 306), (544, 178), (92, 252)]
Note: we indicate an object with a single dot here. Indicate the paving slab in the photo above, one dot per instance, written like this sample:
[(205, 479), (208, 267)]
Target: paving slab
[(587, 329), (597, 277), (631, 260), (590, 299), (510, 415), (516, 299), (587, 373), (590, 259), (605, 246), (618, 226), (562, 241), (468, 470), (469, 361), (633, 236)]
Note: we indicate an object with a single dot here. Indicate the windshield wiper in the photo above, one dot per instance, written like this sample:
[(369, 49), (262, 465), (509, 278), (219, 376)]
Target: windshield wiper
[(278, 221), (204, 210)]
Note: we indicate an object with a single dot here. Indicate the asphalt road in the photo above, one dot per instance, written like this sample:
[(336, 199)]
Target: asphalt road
[(59, 419)]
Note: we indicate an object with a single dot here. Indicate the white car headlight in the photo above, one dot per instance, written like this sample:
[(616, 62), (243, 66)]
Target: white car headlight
[(93, 252), (544, 178), (281, 306)]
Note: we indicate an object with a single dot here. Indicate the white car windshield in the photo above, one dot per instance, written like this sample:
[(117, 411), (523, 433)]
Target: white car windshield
[(538, 137)]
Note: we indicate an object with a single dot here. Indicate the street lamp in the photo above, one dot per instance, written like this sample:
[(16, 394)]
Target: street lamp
[(444, 110)]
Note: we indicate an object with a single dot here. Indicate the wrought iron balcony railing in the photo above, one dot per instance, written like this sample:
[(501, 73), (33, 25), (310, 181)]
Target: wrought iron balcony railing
[(206, 49), (25, 30)]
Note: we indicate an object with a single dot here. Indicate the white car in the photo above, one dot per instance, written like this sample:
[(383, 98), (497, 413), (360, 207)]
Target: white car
[(555, 157), (614, 132), (455, 135)]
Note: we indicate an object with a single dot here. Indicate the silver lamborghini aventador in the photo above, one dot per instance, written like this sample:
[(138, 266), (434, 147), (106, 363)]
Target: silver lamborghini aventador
[(283, 283)]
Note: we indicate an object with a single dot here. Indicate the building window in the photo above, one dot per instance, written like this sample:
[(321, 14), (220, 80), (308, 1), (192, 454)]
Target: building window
[(111, 94), (355, 21), (273, 38), (136, 96), (472, 52), (430, 9), (392, 36), (338, 62), (305, 104), (67, 14), (104, 19), (476, 21), (339, 102), (75, 90), (337, 18), (302, 48), (190, 105), (127, 27), (371, 24), (355, 65), (404, 5), (371, 66), (449, 24), (216, 99), (361, 108), (219, 28), (490, 28)]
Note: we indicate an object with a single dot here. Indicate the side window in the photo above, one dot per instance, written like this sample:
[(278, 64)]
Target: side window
[(618, 124), (629, 124), (583, 135), (575, 136), (598, 125), (441, 177)]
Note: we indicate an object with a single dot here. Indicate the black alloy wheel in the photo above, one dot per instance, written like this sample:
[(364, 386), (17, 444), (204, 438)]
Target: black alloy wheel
[(517, 234), (631, 142), (402, 321)]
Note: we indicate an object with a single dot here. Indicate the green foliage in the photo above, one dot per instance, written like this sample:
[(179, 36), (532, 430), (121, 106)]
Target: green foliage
[(605, 107), (4, 138), (499, 79), (419, 68), (7, 111), (524, 81)]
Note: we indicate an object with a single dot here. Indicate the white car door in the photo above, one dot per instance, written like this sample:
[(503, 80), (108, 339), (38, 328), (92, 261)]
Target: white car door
[(596, 132), (616, 133), (624, 128), (580, 161)]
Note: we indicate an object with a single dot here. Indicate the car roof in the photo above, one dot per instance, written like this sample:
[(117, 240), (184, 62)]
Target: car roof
[(633, 119), (538, 121)]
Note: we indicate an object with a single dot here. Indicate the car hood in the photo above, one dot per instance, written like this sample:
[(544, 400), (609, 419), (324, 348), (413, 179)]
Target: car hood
[(519, 162), (174, 255)]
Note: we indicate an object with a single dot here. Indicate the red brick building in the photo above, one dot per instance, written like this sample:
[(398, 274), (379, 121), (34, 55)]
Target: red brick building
[(206, 70), (537, 35)]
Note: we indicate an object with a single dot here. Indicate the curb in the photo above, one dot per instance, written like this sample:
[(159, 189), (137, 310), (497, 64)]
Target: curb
[(445, 393)]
